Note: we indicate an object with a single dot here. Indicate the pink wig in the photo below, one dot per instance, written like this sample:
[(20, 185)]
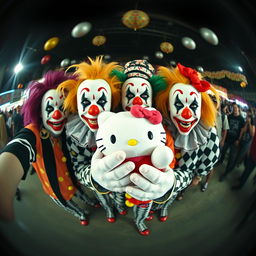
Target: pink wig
[(31, 110)]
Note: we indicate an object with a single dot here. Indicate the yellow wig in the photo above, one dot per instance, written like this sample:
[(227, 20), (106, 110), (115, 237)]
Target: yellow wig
[(173, 76), (97, 69)]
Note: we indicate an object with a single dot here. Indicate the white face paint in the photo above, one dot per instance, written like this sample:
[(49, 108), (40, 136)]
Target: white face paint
[(93, 97), (52, 112), (185, 107), (136, 91)]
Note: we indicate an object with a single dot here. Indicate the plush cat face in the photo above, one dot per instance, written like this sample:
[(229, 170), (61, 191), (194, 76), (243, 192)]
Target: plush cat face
[(133, 135)]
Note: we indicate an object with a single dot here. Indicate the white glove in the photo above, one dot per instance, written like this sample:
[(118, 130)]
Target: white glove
[(107, 171), (153, 185)]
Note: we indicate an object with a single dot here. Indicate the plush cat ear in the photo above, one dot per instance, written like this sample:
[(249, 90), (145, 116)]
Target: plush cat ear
[(103, 116)]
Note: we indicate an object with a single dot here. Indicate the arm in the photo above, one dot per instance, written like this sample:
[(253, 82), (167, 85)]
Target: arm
[(11, 172)]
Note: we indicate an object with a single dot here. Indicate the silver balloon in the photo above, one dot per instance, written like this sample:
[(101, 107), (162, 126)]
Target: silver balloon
[(188, 43), (145, 57), (173, 63), (81, 29), (209, 36), (64, 63), (159, 54), (200, 69), (107, 57), (73, 62)]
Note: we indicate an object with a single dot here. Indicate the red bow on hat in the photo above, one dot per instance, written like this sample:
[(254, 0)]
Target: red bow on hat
[(191, 74)]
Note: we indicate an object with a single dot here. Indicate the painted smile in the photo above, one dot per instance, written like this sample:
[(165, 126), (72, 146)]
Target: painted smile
[(92, 122), (57, 125), (185, 126)]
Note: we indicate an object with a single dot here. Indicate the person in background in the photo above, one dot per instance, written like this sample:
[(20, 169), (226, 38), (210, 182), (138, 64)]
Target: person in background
[(236, 123), (9, 125), (250, 164), (222, 127), (17, 121)]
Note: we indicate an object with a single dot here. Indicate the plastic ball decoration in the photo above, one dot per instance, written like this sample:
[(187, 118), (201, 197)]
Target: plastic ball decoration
[(243, 84), (99, 40), (209, 36), (81, 29), (45, 59), (166, 47), (20, 86), (189, 43), (51, 43), (65, 63), (135, 19), (200, 69), (159, 55)]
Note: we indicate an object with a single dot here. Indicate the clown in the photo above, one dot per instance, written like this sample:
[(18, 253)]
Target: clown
[(93, 92), (42, 144), (189, 114), (138, 78)]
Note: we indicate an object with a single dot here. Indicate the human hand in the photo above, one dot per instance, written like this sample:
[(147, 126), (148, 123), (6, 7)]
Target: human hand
[(108, 171), (151, 183)]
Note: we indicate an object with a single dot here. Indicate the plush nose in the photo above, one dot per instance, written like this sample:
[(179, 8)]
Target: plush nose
[(93, 110), (132, 142), (56, 114), (186, 113), (137, 101)]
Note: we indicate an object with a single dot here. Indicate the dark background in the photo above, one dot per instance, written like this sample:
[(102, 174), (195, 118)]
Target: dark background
[(26, 25)]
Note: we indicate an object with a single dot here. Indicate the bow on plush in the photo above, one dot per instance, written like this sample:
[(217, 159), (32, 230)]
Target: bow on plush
[(153, 116), (192, 75)]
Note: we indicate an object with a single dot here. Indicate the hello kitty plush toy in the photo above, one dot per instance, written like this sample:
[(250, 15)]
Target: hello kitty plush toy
[(141, 135)]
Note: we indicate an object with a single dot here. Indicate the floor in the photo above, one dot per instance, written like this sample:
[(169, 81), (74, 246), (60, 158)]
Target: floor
[(203, 223)]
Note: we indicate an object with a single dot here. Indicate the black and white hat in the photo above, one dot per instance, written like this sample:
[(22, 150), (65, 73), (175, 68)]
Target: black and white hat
[(139, 68)]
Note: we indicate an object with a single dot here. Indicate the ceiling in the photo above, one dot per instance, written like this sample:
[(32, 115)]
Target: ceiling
[(26, 25)]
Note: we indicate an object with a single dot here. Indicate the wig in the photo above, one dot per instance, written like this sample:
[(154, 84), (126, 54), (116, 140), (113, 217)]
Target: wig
[(97, 69), (157, 82), (172, 77), (31, 109)]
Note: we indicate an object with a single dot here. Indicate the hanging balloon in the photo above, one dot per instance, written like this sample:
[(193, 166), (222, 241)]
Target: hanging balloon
[(145, 57), (45, 59), (64, 63), (159, 55), (200, 69), (73, 62), (188, 43), (51, 43), (99, 40), (135, 19), (173, 63), (166, 47), (20, 86), (209, 36), (107, 57), (81, 29), (243, 84)]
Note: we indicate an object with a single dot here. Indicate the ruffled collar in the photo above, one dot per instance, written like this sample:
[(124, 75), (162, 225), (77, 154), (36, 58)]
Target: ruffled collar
[(197, 137), (79, 132)]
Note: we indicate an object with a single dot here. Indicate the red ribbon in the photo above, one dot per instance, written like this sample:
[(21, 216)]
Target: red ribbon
[(153, 116), (192, 75)]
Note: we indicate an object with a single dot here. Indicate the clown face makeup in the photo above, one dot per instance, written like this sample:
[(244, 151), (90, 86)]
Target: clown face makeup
[(93, 97), (185, 107), (52, 112), (136, 91)]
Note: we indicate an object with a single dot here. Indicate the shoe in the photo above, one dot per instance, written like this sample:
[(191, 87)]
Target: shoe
[(111, 220), (204, 187), (84, 222), (150, 217), (145, 232), (163, 218)]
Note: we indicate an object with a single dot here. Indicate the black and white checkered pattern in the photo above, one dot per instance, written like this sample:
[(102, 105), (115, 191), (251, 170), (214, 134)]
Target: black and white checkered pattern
[(201, 160), (81, 161)]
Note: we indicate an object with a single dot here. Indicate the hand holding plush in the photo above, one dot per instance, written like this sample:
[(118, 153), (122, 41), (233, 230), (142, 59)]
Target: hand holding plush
[(141, 136)]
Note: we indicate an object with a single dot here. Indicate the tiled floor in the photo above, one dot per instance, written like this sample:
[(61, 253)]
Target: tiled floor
[(201, 224)]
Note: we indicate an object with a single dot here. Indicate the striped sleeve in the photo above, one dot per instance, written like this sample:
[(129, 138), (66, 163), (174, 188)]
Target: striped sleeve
[(23, 146)]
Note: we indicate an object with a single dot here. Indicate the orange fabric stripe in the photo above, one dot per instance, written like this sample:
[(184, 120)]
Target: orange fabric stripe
[(170, 144), (66, 185)]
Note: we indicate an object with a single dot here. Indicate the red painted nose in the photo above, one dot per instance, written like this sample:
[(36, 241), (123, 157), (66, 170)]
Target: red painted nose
[(93, 110), (186, 113), (137, 101), (57, 114)]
